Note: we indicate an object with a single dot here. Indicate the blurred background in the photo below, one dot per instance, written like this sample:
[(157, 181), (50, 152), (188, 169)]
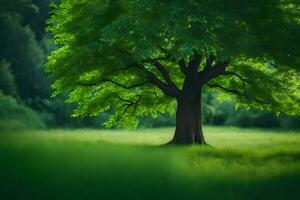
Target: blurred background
[(25, 90)]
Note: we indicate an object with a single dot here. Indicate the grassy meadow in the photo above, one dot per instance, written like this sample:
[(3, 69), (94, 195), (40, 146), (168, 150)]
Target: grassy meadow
[(132, 164)]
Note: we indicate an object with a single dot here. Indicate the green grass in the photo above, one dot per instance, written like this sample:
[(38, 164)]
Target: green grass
[(124, 164)]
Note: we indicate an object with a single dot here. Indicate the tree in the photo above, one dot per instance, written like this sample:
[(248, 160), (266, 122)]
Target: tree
[(7, 82), (19, 47), (140, 57)]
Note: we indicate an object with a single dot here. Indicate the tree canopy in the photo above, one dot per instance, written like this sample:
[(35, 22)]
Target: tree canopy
[(131, 56)]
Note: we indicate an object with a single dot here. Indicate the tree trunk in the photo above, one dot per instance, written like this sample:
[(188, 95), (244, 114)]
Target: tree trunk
[(188, 117)]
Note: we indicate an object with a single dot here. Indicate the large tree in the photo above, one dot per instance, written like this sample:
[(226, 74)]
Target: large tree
[(140, 57)]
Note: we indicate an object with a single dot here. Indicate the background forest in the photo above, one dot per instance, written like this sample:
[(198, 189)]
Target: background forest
[(25, 91)]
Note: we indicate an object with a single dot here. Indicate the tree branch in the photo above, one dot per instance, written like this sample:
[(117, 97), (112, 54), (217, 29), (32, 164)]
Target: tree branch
[(164, 50), (235, 92), (136, 103), (129, 104), (182, 66), (113, 82), (167, 90), (193, 65), (165, 74), (181, 63), (209, 61), (125, 110), (163, 71), (225, 89), (125, 100), (228, 73), (212, 72), (170, 88)]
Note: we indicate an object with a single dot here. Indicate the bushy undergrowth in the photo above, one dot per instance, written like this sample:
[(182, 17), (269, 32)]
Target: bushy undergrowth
[(123, 164), (15, 116)]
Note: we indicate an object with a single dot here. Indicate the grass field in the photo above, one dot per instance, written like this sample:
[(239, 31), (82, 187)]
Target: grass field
[(123, 164)]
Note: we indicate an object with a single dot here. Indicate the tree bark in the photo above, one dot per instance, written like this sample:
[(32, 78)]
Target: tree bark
[(188, 117)]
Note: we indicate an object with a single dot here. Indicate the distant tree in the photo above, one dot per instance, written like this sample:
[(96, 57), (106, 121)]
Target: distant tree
[(19, 47), (24, 10), (7, 82), (16, 116), (140, 57), (37, 22)]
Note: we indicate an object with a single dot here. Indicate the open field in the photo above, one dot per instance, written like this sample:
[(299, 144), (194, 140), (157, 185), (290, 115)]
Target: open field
[(123, 164)]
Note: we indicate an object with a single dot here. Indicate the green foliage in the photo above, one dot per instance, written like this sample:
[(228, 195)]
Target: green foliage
[(253, 118), (7, 82), (23, 47), (90, 164), (19, 47), (15, 116), (55, 113), (107, 42), (30, 12), (225, 113), (265, 87)]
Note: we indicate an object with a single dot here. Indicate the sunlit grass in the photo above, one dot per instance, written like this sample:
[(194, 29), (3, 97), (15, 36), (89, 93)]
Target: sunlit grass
[(132, 164), (215, 136)]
